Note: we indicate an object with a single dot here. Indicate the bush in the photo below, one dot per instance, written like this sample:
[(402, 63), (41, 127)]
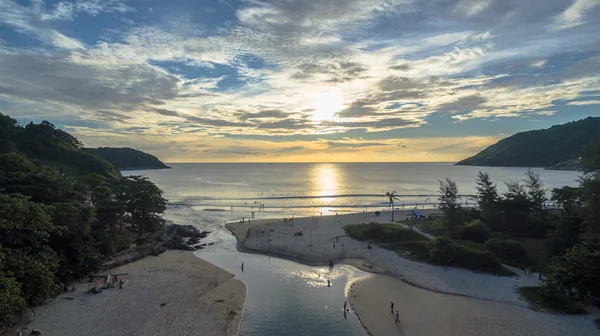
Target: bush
[(445, 251), (542, 298), (11, 301), (475, 231), (510, 250)]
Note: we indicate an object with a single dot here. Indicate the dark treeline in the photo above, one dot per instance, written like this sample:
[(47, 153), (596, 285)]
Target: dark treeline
[(63, 211), (128, 158), (506, 224)]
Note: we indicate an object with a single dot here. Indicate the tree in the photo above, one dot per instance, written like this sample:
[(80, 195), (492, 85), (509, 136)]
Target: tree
[(392, 197), (143, 201), (515, 209), (567, 197), (535, 190), (448, 198), (579, 268), (475, 231), (487, 199)]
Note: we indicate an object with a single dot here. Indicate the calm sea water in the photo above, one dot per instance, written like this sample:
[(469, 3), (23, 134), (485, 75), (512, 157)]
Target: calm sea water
[(287, 298)]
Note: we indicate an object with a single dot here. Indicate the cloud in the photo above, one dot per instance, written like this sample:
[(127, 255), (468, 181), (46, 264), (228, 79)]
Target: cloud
[(470, 8), (574, 15)]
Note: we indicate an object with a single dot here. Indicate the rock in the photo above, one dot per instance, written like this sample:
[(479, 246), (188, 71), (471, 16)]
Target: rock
[(199, 246), (211, 243), (70, 298), (163, 304), (36, 332)]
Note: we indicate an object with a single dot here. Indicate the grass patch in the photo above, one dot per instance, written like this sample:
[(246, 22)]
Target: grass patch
[(383, 233), (417, 249), (432, 225), (556, 302)]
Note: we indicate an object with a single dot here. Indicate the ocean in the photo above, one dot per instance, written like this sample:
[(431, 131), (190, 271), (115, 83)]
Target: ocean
[(284, 297)]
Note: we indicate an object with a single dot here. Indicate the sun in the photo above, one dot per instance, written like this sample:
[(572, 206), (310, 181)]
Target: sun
[(326, 105)]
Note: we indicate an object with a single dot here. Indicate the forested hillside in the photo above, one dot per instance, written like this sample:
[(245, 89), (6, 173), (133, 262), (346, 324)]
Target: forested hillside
[(128, 158), (558, 146), (63, 210)]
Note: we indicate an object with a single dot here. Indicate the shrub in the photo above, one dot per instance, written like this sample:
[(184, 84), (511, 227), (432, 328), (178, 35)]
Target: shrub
[(510, 250), (475, 231), (11, 301), (445, 251)]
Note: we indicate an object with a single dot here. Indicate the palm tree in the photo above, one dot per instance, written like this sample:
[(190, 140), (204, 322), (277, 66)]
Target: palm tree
[(392, 196)]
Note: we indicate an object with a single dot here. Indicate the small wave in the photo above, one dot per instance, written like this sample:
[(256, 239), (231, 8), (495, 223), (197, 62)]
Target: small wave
[(229, 183)]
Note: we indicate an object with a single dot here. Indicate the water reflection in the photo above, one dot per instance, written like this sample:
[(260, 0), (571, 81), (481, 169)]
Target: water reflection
[(325, 180)]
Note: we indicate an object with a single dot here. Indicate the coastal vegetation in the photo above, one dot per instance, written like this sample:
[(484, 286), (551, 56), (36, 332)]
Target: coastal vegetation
[(128, 158), (63, 212), (558, 147), (551, 301)]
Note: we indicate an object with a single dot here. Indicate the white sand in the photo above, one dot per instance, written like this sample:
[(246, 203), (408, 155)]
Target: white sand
[(428, 313), (278, 238), (201, 299), (316, 246)]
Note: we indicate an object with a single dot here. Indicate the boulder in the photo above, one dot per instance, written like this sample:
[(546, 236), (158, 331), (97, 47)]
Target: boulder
[(36, 332)]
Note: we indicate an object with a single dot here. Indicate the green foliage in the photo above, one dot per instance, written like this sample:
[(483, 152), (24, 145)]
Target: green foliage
[(449, 204), (61, 211), (128, 158), (11, 301), (383, 233), (34, 271), (590, 156), (433, 225), (487, 200), (445, 251), (543, 299), (539, 148), (143, 201), (578, 268), (567, 197), (475, 231), (535, 190), (510, 251)]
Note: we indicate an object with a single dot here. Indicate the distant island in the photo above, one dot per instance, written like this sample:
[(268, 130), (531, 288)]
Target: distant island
[(557, 147), (126, 158)]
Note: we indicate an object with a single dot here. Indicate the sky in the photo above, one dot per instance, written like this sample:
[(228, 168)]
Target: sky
[(300, 80)]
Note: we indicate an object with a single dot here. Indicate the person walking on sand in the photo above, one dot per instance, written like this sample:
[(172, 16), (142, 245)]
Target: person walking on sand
[(328, 283), (392, 305), (345, 303), (242, 267), (397, 316)]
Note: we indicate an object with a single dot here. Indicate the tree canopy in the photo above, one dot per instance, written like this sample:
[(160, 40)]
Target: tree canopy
[(62, 211)]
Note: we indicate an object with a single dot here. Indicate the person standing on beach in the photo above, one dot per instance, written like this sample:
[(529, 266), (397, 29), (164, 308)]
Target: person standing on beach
[(345, 303), (392, 304), (242, 267), (397, 316)]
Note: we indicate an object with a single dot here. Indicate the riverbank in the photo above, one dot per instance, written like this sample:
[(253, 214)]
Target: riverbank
[(175, 293), (320, 234), (436, 291), (424, 312)]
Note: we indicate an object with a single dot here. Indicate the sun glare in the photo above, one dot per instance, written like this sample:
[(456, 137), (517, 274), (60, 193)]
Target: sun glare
[(325, 106)]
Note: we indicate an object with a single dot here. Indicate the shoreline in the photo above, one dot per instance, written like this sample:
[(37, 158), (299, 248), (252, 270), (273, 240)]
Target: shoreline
[(275, 237), (175, 293)]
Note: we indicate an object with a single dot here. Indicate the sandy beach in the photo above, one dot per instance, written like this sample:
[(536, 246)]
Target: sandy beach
[(175, 293), (424, 312), (324, 239)]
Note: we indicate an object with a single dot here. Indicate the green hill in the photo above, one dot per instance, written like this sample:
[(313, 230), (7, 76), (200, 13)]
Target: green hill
[(555, 147), (63, 211), (44, 144), (128, 158)]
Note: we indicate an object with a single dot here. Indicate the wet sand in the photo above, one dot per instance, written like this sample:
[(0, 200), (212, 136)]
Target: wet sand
[(424, 312), (199, 299), (478, 304)]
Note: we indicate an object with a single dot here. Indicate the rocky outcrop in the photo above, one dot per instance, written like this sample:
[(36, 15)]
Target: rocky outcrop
[(176, 237)]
